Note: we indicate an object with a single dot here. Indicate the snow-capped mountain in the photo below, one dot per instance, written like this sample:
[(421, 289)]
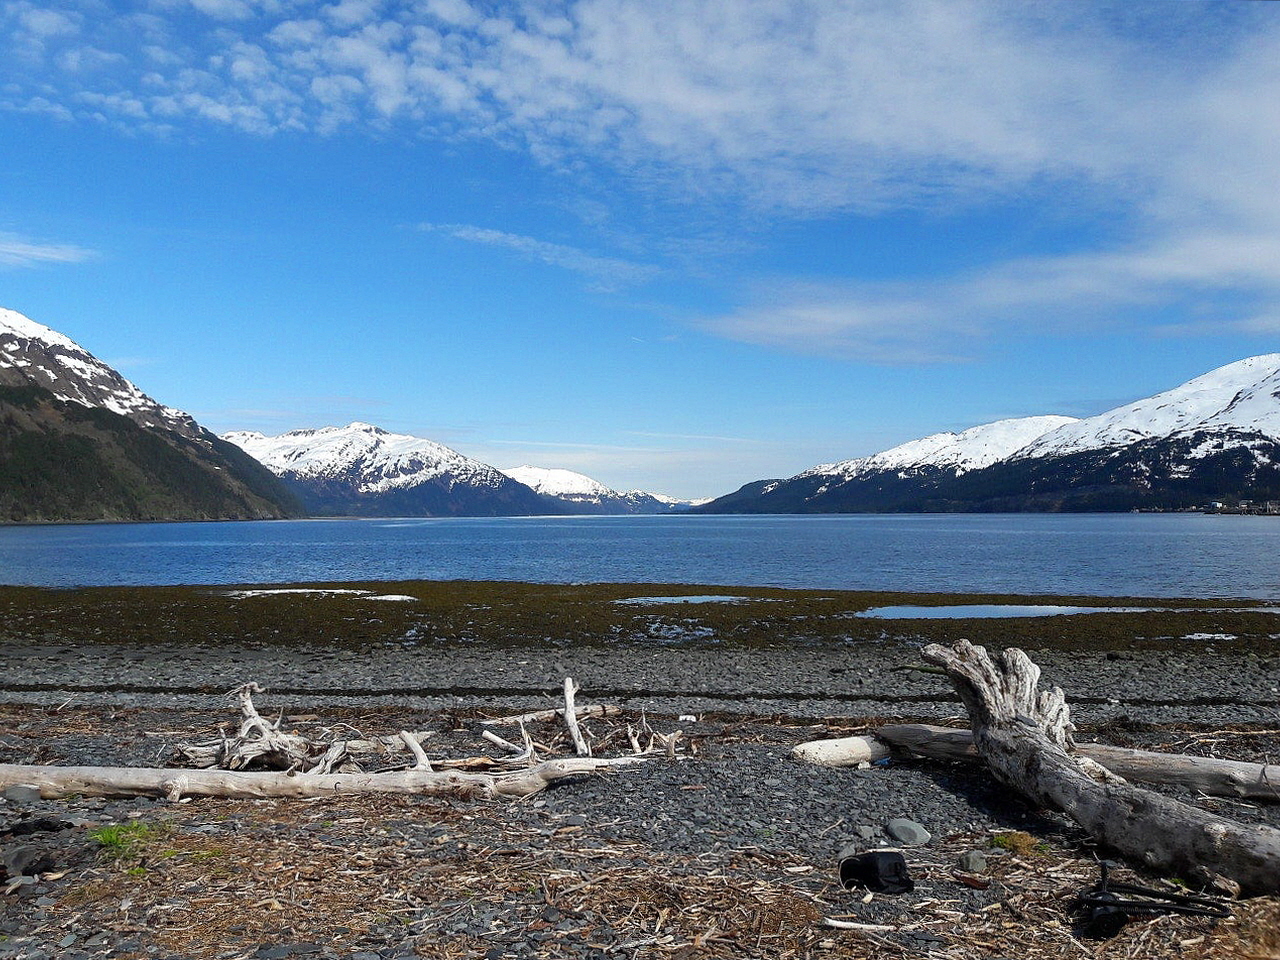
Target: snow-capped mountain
[(1216, 437), (577, 493), (1240, 398), (363, 470), (80, 442), (33, 353), (970, 449)]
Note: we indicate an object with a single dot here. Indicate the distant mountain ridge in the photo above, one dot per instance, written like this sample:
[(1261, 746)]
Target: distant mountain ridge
[(1214, 438), (363, 470), (79, 442), (566, 491)]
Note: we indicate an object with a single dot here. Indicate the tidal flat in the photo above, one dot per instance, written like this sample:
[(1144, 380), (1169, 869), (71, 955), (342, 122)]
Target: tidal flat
[(662, 647)]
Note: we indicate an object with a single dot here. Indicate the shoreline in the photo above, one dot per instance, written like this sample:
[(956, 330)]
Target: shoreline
[(444, 644)]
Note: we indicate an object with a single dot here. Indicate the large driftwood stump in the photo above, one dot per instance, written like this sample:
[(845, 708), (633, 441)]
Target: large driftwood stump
[(1024, 734)]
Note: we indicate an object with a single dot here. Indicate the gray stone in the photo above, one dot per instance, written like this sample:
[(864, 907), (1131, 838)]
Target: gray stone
[(973, 861), (907, 832), (21, 793), (851, 849), (21, 861), (866, 832)]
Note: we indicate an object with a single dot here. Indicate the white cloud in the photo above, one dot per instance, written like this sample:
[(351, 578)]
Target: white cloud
[(608, 272), (224, 9), (1225, 275), (18, 251), (43, 23), (801, 105), (1164, 116)]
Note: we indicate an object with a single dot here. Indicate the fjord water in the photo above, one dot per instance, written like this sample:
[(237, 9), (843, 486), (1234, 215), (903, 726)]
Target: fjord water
[(1152, 555)]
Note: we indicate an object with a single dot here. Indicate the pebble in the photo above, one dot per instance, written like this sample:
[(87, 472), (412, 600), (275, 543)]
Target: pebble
[(22, 793), (907, 832), (18, 861), (973, 861)]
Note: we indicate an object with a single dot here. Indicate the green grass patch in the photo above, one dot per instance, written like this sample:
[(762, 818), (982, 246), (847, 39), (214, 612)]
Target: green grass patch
[(127, 841)]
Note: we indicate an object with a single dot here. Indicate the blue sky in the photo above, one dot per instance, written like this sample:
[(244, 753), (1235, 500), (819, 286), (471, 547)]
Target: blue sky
[(677, 244)]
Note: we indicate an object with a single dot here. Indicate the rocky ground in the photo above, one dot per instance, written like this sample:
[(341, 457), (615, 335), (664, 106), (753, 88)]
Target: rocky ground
[(728, 850)]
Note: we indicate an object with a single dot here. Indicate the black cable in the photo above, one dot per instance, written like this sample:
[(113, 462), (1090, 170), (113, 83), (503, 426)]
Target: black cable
[(1106, 912)]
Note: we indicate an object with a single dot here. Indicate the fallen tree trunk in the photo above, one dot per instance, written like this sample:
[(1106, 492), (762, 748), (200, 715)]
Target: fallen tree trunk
[(1024, 735), (1209, 775), (56, 783)]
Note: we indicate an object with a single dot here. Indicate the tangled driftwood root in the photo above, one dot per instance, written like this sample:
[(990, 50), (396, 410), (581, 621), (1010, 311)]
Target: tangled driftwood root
[(261, 760), (1025, 736)]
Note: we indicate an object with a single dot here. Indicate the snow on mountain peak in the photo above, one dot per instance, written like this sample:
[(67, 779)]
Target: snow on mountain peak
[(15, 324), (970, 449), (588, 495), (1243, 396), (33, 353), (377, 459), (553, 482)]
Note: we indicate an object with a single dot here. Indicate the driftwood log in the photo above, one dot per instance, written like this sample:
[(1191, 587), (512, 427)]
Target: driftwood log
[(1024, 735), (56, 783), (1211, 776), (261, 760)]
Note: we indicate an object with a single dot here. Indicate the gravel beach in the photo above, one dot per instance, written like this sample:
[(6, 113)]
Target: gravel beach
[(729, 850)]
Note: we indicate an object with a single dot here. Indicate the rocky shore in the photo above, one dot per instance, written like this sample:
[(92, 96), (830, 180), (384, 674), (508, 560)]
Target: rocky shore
[(729, 850)]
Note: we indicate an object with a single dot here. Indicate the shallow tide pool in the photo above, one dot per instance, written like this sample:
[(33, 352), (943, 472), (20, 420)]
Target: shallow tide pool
[(988, 610)]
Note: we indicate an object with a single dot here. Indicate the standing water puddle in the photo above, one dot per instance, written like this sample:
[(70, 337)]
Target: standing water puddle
[(991, 610)]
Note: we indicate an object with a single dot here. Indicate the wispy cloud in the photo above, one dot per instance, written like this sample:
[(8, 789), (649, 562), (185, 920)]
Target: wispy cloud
[(1232, 278), (19, 251), (879, 104), (608, 272), (1165, 119)]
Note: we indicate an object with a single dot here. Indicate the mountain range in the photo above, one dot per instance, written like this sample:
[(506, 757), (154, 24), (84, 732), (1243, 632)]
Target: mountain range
[(363, 470), (79, 442), (1214, 438), (569, 492)]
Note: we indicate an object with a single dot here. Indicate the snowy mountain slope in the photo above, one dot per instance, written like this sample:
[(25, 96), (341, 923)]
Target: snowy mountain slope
[(33, 353), (380, 460), (970, 449), (79, 442), (1216, 437), (578, 493), (1241, 397), (361, 469), (566, 484)]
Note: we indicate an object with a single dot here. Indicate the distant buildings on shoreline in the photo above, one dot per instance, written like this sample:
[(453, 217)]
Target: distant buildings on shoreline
[(1270, 508)]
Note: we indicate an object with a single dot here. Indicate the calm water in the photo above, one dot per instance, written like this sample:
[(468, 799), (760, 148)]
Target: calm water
[(1177, 555)]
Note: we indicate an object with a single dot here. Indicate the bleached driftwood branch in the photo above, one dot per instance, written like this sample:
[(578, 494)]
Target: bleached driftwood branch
[(1212, 776), (571, 719), (299, 767), (539, 716), (1024, 735), (55, 783)]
